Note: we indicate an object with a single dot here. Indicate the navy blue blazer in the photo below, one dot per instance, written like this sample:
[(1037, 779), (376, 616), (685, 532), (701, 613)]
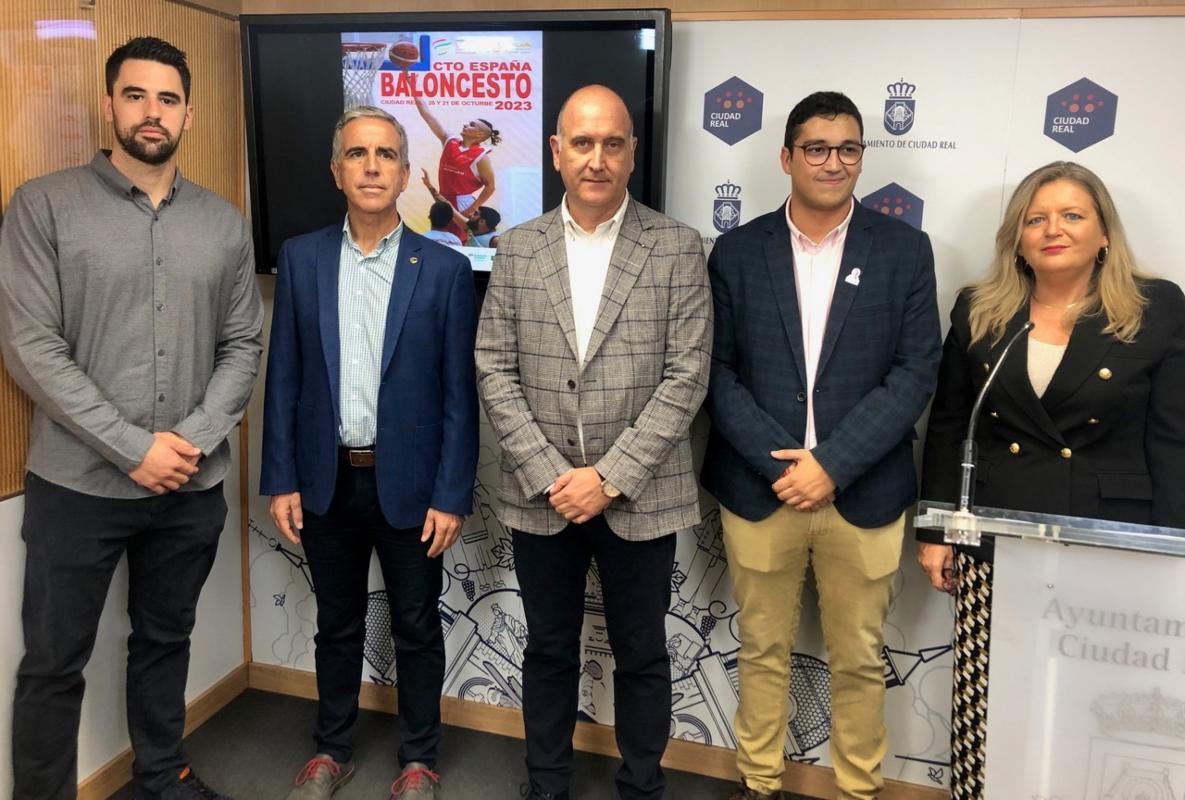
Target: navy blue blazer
[(877, 368), (426, 447)]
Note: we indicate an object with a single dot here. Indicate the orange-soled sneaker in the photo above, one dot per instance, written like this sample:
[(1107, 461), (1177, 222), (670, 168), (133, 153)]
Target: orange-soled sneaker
[(190, 787)]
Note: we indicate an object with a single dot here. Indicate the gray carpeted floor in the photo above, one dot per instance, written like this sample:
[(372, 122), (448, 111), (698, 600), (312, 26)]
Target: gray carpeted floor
[(253, 748)]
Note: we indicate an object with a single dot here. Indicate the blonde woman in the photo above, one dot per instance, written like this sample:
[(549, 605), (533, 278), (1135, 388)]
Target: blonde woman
[(1086, 418)]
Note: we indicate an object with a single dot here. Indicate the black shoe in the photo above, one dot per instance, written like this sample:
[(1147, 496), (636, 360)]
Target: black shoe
[(530, 792), (190, 787)]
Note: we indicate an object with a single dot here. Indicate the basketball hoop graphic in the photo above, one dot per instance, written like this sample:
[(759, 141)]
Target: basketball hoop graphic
[(360, 62)]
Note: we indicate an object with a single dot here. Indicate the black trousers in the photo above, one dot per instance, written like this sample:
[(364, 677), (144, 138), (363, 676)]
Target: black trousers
[(636, 582), (338, 545), (73, 543)]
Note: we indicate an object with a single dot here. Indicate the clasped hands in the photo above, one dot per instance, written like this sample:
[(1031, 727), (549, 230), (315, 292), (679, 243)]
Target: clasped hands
[(577, 495), (169, 463), (804, 485)]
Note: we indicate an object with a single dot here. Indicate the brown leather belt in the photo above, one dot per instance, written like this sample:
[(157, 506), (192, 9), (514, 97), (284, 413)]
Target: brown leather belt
[(357, 457)]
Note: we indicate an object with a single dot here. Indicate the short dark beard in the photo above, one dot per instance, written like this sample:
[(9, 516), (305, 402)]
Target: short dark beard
[(139, 151)]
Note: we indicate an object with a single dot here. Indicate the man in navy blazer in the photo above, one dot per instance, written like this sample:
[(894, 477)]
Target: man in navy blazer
[(370, 441), (826, 352)]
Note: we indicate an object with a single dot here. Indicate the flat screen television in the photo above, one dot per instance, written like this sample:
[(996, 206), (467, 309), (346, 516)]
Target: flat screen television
[(439, 73)]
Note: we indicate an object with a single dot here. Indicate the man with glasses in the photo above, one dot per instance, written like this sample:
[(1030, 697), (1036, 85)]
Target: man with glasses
[(826, 352)]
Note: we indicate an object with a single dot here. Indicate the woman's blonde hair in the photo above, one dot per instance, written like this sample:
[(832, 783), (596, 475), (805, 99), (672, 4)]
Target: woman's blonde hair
[(1114, 286)]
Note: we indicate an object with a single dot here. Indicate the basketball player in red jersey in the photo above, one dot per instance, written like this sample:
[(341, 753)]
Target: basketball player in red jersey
[(465, 166)]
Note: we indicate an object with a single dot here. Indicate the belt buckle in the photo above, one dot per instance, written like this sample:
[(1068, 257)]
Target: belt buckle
[(361, 458)]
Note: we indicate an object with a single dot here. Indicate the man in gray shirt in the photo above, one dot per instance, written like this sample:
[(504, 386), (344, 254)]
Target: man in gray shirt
[(130, 315)]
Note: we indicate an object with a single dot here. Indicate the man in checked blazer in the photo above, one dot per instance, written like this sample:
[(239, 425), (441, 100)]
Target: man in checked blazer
[(826, 351), (592, 359)]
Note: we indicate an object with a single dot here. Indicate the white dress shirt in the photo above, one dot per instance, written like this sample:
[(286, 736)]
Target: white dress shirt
[(588, 265), (816, 269)]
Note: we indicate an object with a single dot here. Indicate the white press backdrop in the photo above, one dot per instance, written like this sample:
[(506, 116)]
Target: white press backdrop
[(980, 90)]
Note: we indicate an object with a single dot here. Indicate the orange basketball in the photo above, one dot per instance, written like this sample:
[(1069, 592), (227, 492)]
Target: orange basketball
[(405, 53)]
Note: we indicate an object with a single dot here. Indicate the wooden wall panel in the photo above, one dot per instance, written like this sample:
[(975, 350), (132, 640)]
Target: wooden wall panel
[(49, 89), (51, 80), (746, 9), (49, 119), (15, 412)]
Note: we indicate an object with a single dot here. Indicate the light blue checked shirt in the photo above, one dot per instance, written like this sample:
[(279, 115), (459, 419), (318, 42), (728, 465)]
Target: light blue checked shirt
[(363, 291)]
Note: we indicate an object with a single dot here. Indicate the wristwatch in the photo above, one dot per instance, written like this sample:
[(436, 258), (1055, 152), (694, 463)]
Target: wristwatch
[(611, 491)]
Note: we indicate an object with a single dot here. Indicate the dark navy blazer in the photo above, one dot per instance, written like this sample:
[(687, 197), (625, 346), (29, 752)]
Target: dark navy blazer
[(877, 368), (426, 443)]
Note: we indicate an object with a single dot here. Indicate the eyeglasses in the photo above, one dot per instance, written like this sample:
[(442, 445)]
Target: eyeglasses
[(817, 155)]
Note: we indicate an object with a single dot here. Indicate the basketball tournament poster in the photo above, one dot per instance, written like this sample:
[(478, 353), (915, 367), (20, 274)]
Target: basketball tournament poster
[(453, 83)]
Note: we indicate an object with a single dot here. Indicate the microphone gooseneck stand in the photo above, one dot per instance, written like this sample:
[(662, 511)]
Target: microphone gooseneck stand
[(962, 528)]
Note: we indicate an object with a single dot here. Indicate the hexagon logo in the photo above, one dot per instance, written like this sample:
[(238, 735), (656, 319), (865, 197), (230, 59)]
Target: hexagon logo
[(1080, 115), (732, 110), (896, 201)]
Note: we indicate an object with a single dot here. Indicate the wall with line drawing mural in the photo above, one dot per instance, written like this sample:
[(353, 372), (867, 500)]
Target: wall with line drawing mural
[(956, 112), (485, 636)]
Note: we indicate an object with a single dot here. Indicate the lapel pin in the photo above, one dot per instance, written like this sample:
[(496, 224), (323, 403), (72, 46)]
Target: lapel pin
[(413, 260), (853, 277)]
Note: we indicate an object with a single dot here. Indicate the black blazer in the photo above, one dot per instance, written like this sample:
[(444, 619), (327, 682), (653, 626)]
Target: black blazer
[(1106, 440)]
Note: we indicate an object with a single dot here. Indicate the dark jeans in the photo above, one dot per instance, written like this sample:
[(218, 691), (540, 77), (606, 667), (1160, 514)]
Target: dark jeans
[(338, 547), (636, 583), (73, 542)]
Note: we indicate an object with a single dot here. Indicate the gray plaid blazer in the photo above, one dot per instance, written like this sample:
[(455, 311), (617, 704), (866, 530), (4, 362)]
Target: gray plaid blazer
[(644, 377)]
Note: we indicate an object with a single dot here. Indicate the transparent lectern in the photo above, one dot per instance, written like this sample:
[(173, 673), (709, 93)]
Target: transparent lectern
[(1086, 696)]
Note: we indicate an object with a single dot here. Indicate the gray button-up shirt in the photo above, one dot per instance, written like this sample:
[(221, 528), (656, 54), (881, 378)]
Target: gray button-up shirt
[(120, 320)]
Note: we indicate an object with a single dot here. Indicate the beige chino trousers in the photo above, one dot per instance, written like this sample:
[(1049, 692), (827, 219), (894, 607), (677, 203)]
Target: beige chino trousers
[(854, 569)]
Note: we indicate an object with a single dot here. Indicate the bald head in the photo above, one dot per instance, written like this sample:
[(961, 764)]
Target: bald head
[(593, 150), (598, 99)]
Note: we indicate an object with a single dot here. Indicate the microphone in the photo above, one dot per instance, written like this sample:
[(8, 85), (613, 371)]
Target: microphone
[(962, 528)]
